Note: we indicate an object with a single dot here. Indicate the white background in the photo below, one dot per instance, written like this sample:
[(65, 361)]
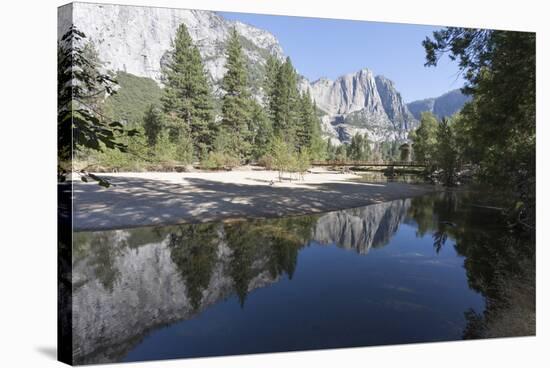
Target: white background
[(28, 182)]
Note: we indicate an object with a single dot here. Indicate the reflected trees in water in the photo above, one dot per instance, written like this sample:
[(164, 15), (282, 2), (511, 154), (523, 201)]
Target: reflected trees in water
[(278, 241), (499, 260), (193, 250)]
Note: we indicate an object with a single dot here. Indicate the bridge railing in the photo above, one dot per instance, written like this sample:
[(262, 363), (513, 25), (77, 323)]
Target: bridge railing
[(369, 163)]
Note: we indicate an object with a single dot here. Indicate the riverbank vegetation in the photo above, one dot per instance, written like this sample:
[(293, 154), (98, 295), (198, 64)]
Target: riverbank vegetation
[(187, 121), (123, 122), (495, 135), (499, 265)]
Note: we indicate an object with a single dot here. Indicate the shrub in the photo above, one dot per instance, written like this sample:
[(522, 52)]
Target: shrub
[(303, 162), (219, 160), (283, 156), (266, 161)]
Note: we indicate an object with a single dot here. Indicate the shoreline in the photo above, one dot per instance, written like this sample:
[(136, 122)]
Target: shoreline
[(140, 199)]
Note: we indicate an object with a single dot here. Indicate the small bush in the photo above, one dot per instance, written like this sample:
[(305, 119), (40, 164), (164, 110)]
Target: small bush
[(219, 160), (266, 161), (303, 162)]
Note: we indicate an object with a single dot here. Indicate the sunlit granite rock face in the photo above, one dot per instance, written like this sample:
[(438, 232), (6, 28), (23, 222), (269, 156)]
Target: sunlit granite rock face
[(361, 228), (361, 103), (394, 106), (135, 39)]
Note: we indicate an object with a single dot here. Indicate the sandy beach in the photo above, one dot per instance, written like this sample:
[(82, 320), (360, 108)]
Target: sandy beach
[(155, 198)]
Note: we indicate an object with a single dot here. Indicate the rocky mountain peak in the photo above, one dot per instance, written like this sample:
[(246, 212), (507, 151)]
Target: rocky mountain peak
[(364, 103), (348, 93), (393, 104), (443, 106), (135, 39)]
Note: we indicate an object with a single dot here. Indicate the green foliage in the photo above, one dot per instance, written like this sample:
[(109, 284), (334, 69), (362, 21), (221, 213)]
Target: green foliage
[(272, 68), (438, 143), (303, 162), (216, 160), (341, 153), (185, 130), (424, 138), (474, 49), (184, 148), (81, 88), (318, 148), (267, 161), (152, 124), (254, 70), (499, 124), (283, 155), (164, 152), (135, 159), (295, 118), (236, 100), (385, 151), (244, 246), (285, 102), (446, 154), (193, 250), (187, 99), (359, 148), (277, 241), (133, 98), (307, 122), (476, 235), (260, 131), (330, 151)]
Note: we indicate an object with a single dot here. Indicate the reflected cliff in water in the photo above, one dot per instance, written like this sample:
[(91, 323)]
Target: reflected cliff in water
[(191, 290)]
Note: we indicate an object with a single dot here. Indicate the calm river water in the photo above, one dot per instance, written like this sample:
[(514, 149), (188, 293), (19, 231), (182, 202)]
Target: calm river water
[(406, 271)]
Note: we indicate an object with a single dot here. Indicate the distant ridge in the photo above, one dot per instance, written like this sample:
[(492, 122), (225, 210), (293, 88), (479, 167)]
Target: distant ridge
[(445, 105)]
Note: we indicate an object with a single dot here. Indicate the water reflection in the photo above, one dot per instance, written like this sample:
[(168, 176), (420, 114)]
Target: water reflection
[(144, 293), (388, 177), (499, 262)]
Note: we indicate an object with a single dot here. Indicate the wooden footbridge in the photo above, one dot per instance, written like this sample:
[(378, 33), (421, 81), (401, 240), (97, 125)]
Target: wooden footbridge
[(389, 164)]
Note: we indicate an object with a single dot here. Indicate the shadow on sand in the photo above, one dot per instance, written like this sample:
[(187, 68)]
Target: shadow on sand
[(139, 202)]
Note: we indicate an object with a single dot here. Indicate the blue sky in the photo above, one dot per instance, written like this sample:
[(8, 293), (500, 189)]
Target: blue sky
[(330, 48)]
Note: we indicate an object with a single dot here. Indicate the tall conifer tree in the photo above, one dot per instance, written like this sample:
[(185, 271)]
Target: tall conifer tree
[(307, 121), (261, 131), (270, 83), (286, 102), (236, 101), (187, 97)]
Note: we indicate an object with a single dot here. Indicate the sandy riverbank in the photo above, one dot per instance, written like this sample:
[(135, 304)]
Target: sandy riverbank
[(152, 198)]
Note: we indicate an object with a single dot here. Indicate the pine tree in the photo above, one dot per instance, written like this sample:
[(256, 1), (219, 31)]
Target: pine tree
[(446, 153), (330, 151), (359, 148), (286, 102), (187, 96), (261, 131), (308, 128), (306, 122), (318, 151), (270, 83), (425, 137), (152, 124), (236, 101), (81, 86)]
